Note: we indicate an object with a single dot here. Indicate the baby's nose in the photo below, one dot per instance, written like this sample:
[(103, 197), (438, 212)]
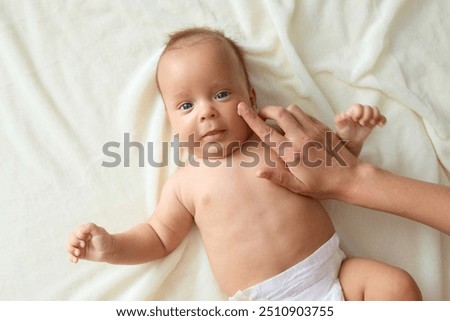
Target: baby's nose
[(208, 112)]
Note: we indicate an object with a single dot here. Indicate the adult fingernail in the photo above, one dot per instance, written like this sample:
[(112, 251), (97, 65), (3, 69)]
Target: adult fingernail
[(239, 108)]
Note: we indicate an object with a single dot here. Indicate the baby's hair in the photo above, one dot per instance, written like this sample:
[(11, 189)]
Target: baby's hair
[(191, 36)]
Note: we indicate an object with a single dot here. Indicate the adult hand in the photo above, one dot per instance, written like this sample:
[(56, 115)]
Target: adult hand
[(318, 164)]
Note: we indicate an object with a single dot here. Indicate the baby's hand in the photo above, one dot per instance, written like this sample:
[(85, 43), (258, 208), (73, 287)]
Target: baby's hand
[(89, 242), (355, 124)]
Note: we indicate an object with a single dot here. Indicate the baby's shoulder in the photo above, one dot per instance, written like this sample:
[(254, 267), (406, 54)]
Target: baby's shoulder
[(175, 179), (180, 174), (183, 177), (181, 185)]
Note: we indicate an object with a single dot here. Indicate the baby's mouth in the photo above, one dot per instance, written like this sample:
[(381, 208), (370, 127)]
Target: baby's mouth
[(213, 134)]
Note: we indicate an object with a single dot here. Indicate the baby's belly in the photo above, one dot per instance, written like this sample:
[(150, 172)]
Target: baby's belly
[(251, 243)]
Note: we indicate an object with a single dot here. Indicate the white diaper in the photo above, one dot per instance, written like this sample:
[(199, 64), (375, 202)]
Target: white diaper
[(313, 279)]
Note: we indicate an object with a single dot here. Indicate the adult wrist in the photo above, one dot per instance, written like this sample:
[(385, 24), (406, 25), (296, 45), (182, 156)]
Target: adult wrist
[(355, 181)]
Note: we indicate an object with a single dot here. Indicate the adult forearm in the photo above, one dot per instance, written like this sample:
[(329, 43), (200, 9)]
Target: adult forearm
[(138, 245), (417, 200)]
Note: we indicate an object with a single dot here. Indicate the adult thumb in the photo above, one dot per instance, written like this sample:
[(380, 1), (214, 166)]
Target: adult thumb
[(284, 179)]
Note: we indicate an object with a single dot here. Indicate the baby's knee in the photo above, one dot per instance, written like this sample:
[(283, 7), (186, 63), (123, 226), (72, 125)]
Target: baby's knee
[(403, 287), (364, 279)]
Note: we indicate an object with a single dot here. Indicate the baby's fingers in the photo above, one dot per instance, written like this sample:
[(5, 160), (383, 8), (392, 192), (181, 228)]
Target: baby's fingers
[(375, 117), (366, 115), (74, 257), (74, 253), (77, 242), (380, 119)]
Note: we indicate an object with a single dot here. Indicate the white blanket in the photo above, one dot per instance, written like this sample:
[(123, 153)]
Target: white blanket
[(76, 75)]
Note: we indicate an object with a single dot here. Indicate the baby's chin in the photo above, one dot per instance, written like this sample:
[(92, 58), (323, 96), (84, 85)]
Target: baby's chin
[(216, 150)]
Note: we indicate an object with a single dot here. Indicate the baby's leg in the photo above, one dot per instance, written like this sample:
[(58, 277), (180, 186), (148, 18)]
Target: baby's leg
[(369, 280), (355, 125)]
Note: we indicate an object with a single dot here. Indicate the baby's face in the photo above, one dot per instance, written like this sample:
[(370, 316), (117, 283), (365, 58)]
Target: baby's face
[(201, 86)]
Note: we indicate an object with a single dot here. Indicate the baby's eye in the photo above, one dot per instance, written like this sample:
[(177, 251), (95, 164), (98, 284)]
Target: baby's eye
[(222, 95), (186, 106)]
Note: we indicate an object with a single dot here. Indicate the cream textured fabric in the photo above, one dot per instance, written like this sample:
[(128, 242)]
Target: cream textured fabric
[(76, 76)]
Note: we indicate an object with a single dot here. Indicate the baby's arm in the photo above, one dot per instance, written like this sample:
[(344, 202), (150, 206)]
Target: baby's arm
[(355, 124), (148, 241)]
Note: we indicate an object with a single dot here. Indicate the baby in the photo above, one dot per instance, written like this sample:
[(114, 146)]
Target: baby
[(263, 242)]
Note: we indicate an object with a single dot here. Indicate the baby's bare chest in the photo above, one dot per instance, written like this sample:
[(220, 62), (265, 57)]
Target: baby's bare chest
[(231, 183), (234, 193)]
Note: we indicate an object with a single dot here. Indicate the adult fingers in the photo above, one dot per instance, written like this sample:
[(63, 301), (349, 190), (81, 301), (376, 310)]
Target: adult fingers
[(285, 117), (284, 179), (257, 124), (300, 116), (297, 125)]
